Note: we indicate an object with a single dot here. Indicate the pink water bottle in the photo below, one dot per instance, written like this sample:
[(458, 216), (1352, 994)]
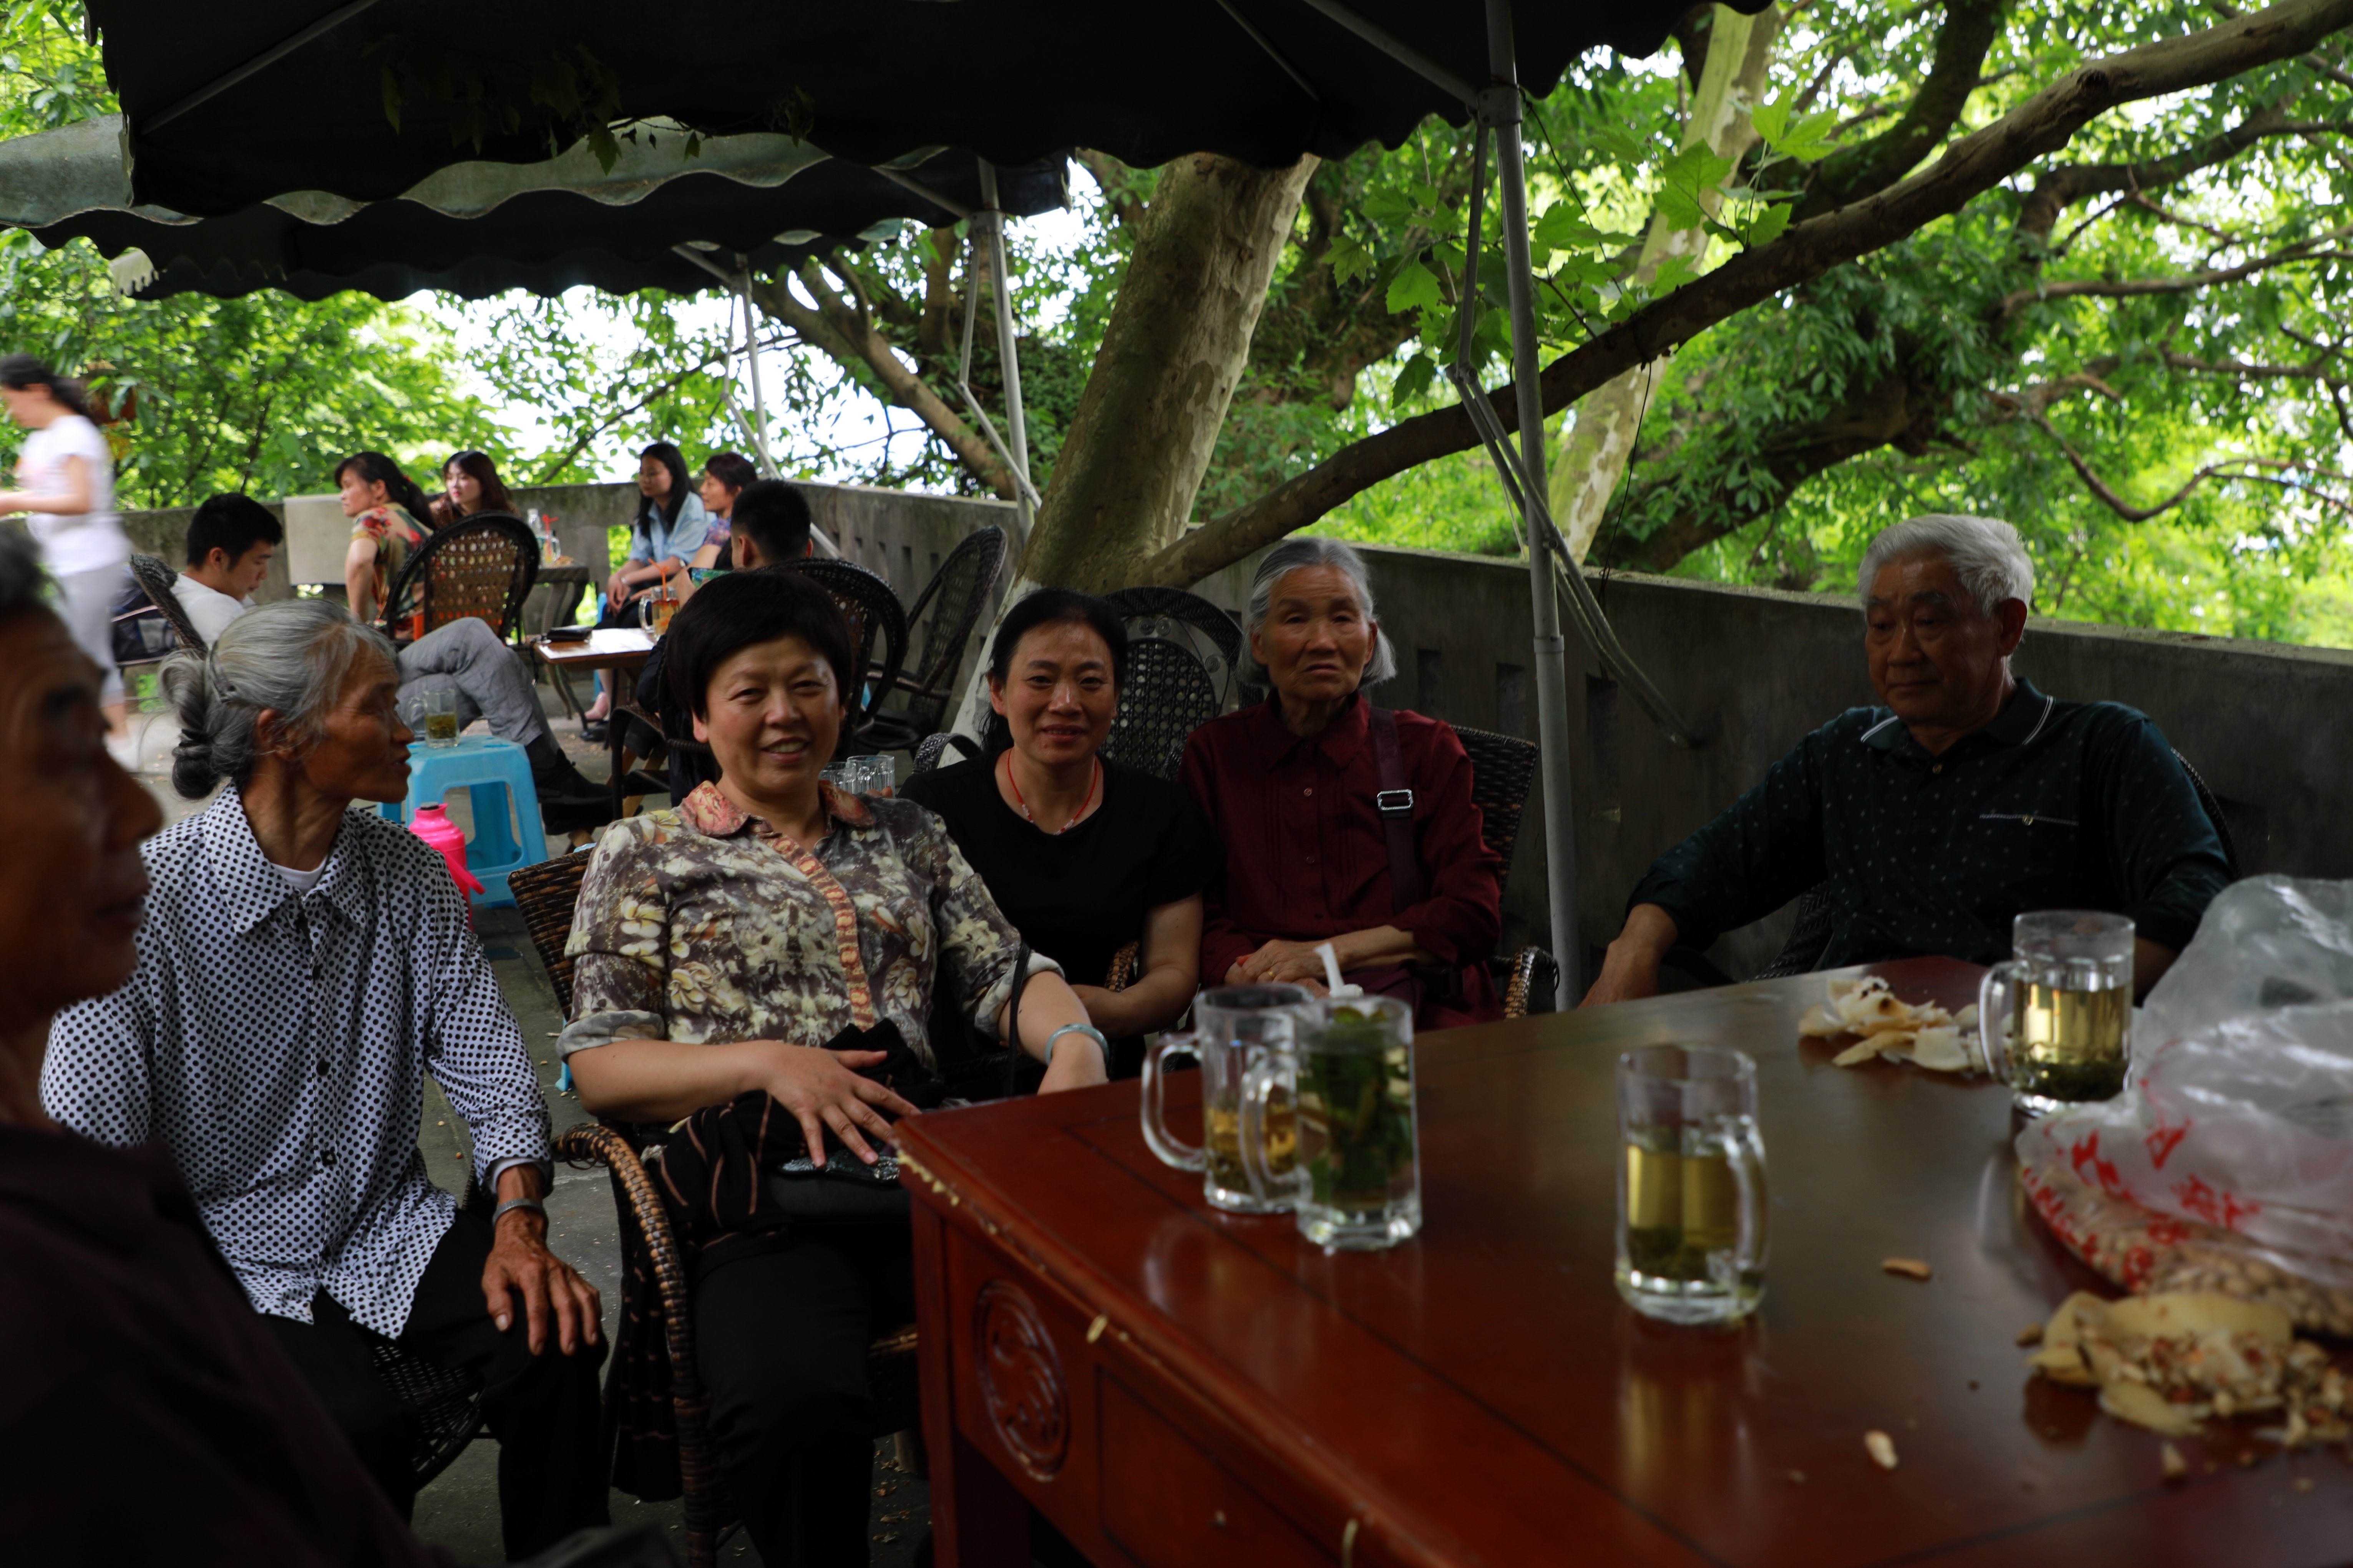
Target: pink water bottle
[(433, 824)]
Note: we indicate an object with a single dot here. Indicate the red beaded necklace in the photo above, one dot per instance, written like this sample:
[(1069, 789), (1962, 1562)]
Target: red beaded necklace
[(1095, 782)]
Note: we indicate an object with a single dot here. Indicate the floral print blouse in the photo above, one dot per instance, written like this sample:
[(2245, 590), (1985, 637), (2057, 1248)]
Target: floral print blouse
[(703, 924)]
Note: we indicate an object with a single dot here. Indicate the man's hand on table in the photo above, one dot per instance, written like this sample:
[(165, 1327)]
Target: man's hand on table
[(1630, 970), (521, 1266)]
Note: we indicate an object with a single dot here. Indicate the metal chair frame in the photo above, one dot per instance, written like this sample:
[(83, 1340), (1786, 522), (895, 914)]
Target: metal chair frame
[(155, 577), (427, 575), (941, 619)]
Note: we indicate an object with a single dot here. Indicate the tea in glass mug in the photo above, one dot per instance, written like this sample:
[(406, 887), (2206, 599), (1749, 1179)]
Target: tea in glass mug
[(2055, 1021), (1234, 1026), (1691, 1185), (1357, 1146)]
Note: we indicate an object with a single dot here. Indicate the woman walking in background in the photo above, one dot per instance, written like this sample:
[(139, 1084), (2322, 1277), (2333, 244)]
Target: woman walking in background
[(65, 479), (470, 484), (387, 512)]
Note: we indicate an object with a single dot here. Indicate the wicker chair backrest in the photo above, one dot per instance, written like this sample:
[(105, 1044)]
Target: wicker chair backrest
[(1213, 636), (545, 896), (481, 568), (942, 622), (1503, 770), (1167, 696), (875, 617), (155, 579)]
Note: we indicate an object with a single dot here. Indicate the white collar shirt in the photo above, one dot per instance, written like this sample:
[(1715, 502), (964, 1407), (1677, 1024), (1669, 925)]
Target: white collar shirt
[(278, 1042)]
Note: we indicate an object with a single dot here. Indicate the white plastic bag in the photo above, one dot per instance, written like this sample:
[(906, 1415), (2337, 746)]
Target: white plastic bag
[(2227, 1162)]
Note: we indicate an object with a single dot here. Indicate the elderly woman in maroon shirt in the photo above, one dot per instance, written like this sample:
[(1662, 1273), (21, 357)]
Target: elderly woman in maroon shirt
[(1295, 786)]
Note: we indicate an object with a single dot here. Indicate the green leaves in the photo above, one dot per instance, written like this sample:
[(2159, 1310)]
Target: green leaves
[(1684, 181), (1807, 139), (1414, 288)]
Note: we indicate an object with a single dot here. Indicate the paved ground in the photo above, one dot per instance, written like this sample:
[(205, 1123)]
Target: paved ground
[(460, 1509)]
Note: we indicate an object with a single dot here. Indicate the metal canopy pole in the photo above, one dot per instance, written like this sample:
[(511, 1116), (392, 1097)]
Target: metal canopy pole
[(1017, 424), (1500, 106), (752, 358)]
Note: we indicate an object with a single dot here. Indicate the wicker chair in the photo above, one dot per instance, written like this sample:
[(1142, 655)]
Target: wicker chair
[(1214, 636), (445, 1402), (545, 894), (874, 614), (1809, 938), (1166, 696), (155, 579), (1502, 770), (942, 620), (481, 568)]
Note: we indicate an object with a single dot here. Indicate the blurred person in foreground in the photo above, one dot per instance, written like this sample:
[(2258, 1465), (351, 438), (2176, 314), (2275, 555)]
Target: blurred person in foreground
[(302, 968), (1295, 787), (1965, 798), (146, 1412)]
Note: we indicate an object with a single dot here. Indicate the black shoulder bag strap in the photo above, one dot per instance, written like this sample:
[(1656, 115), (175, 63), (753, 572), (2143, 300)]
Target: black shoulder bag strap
[(1395, 802)]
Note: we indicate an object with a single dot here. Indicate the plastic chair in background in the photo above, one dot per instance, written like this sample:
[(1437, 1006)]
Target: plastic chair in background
[(508, 832)]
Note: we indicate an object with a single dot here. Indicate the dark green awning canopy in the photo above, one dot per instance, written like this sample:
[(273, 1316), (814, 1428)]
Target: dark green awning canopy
[(477, 228), (232, 104)]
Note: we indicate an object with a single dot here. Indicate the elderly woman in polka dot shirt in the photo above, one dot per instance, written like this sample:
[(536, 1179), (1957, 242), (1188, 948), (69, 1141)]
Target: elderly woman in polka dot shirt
[(302, 968), (1967, 798), (718, 947)]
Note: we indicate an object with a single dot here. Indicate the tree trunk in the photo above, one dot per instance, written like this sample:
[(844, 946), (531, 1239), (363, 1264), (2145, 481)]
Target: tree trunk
[(1599, 442), (1178, 341)]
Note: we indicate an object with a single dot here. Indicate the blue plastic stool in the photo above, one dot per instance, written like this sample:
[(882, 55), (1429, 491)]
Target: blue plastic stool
[(496, 777)]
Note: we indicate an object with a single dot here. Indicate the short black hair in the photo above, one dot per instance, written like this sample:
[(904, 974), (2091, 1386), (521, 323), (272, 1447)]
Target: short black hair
[(743, 609), (1049, 607), (777, 517), (730, 468), (231, 525), (20, 574)]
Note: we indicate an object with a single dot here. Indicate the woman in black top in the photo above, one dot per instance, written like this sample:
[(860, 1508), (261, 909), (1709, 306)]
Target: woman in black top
[(1082, 854)]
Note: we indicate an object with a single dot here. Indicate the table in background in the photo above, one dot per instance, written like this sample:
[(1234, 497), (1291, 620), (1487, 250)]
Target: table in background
[(1177, 1387), (555, 597), (618, 653)]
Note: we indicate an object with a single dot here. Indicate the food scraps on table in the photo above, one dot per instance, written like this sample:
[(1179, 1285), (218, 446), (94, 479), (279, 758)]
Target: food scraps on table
[(2168, 1362), (1911, 1267), (1881, 1449), (1921, 1033)]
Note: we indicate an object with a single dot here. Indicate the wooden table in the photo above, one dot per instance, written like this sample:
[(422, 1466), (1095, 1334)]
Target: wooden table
[(618, 653), (1181, 1388)]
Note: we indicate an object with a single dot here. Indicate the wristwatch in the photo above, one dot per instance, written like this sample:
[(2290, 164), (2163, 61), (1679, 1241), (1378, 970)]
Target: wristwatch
[(533, 1204), (1087, 1029)]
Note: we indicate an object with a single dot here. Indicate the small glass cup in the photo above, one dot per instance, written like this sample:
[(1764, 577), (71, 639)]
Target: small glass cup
[(1691, 1185), (1234, 1026), (2055, 1022), (439, 705), (841, 776), (881, 774), (1357, 1144)]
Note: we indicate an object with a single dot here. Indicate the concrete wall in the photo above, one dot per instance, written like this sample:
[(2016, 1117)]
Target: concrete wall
[(1752, 668)]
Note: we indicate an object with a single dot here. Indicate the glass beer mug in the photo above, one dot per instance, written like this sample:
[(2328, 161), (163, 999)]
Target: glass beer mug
[(1351, 1074), (1691, 1185), (1232, 1027), (2055, 1021)]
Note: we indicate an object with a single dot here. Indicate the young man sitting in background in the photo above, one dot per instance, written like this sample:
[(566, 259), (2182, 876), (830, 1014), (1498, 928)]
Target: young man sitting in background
[(231, 540)]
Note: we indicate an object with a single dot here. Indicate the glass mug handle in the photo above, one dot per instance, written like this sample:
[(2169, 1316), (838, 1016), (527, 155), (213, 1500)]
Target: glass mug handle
[(1995, 1000), (1263, 1072), (1746, 1162), (1171, 1150)]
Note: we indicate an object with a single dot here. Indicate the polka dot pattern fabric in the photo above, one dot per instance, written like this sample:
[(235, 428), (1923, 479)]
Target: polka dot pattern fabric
[(2052, 805), (278, 1044)]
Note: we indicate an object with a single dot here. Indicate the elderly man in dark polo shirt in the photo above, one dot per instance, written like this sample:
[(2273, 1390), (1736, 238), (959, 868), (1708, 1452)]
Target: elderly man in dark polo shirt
[(1968, 797)]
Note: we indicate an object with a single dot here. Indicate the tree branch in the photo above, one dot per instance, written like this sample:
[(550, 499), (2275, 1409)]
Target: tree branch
[(2226, 469), (1969, 167), (2238, 369), (1968, 30), (2062, 188), (2184, 283), (1112, 178)]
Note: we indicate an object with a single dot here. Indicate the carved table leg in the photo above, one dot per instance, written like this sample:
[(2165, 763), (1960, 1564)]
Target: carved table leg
[(979, 1519)]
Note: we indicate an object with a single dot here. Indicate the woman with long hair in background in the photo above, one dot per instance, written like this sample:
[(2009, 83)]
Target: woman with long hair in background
[(470, 484), (664, 536), (65, 478), (724, 474), (387, 512)]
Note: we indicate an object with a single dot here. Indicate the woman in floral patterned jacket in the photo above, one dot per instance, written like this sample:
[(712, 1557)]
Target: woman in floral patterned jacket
[(716, 944)]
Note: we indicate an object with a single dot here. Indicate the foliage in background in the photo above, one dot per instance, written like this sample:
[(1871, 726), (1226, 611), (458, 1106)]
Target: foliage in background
[(262, 394)]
